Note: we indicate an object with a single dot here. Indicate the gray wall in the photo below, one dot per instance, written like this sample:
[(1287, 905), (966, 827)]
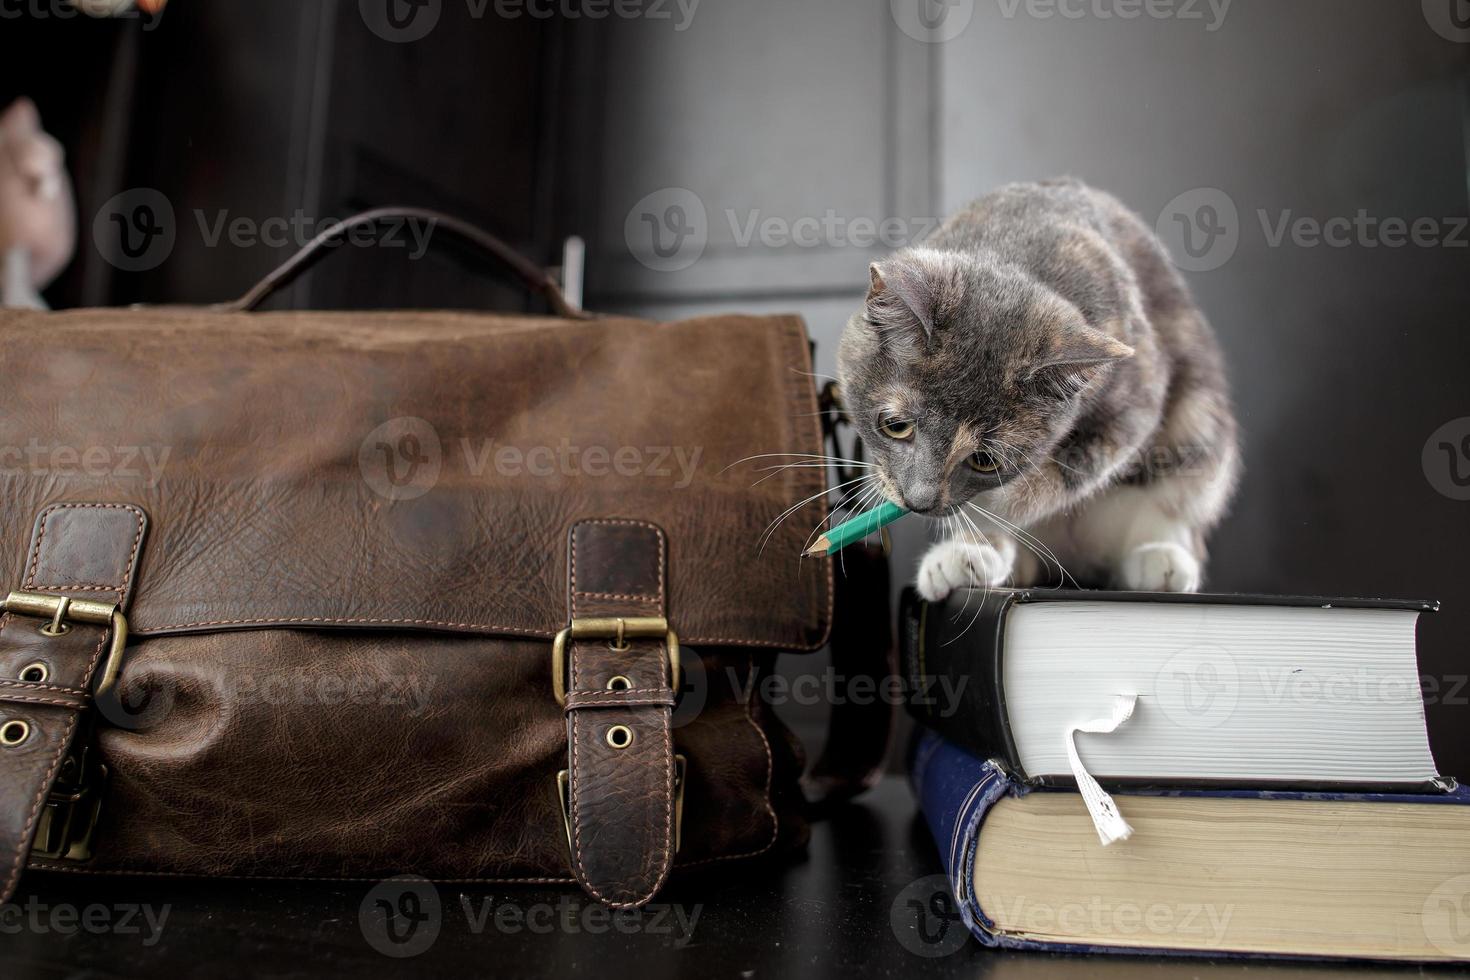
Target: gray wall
[(1346, 359)]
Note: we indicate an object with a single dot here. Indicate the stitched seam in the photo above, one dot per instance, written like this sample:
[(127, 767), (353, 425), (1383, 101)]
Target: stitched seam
[(615, 595), (127, 578), (74, 587), (32, 699), (667, 741), (127, 581), (666, 837), (582, 875), (574, 704), (36, 551), (281, 620), (592, 699), (527, 631), (364, 621), (624, 522), (24, 844), (18, 860), (576, 736), (31, 686), (666, 854), (770, 778)]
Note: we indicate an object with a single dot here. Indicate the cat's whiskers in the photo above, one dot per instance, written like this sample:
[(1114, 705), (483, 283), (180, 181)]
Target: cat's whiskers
[(812, 464), (1032, 543), (799, 457), (864, 487), (1011, 456), (875, 493), (776, 524), (969, 593), (871, 496), (778, 470), (1027, 498), (1028, 460), (1037, 546), (809, 374), (992, 441), (875, 490)]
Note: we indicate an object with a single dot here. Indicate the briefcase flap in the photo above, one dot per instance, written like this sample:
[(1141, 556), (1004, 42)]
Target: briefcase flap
[(411, 470)]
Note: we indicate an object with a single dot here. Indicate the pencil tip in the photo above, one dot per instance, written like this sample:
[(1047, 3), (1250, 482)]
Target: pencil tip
[(820, 548)]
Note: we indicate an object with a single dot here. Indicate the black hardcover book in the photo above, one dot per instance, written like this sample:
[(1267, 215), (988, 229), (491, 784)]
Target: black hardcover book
[(1231, 690)]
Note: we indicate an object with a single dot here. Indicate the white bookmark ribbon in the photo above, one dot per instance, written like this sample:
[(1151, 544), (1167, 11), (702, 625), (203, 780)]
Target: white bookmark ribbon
[(1106, 819)]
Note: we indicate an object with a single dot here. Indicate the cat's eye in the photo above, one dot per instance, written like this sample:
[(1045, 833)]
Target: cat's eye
[(983, 462), (895, 428)]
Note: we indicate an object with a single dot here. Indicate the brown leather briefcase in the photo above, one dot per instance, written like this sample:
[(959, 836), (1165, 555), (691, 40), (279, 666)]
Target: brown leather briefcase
[(474, 597)]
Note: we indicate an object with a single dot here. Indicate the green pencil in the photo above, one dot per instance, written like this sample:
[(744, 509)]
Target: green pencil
[(856, 529)]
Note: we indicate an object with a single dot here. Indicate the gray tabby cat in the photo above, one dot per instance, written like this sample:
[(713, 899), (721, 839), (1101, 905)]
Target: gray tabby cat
[(1036, 369)]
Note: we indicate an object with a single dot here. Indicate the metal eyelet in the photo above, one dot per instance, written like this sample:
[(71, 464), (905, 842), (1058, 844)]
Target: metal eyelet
[(618, 683), (13, 733), (620, 736), (35, 673)]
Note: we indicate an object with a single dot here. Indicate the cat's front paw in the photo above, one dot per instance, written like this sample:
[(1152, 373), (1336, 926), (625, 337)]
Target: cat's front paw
[(960, 564), (1161, 567)]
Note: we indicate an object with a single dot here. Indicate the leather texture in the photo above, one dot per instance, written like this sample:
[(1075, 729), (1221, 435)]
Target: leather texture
[(357, 555), (363, 755), (80, 551), (261, 447), (621, 797)]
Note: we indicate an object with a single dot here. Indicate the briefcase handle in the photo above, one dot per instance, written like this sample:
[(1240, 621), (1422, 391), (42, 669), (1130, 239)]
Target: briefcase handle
[(535, 278)]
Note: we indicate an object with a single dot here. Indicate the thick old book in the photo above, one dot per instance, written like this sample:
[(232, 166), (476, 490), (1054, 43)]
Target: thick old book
[(1244, 691), (1211, 872)]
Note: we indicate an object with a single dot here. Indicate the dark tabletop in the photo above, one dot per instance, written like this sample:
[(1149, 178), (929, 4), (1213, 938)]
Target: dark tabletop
[(853, 907)]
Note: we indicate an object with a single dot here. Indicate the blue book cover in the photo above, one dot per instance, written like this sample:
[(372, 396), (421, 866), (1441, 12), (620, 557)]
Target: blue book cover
[(957, 792)]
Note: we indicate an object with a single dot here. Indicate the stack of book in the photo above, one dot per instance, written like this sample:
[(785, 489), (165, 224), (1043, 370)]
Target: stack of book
[(1273, 782)]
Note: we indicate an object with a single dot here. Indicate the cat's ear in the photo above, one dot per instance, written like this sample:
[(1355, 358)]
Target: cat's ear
[(1076, 355), (897, 294)]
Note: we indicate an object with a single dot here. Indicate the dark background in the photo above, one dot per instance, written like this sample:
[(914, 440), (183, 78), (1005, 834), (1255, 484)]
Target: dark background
[(1345, 359)]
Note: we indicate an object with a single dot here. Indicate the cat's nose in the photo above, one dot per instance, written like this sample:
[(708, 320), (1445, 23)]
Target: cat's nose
[(921, 499)]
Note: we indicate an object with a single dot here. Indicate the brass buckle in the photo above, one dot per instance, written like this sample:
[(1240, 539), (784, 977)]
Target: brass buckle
[(618, 628), (563, 790), (62, 610), (68, 820)]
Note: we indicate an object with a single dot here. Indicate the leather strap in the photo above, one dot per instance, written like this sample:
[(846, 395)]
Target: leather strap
[(859, 731), (319, 247), (81, 551), (621, 818)]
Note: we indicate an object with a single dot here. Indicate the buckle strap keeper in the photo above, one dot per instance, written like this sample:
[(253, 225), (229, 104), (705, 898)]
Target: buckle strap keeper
[(615, 671), (62, 636)]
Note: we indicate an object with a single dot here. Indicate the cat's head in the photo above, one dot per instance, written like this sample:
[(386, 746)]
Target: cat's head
[(961, 372)]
